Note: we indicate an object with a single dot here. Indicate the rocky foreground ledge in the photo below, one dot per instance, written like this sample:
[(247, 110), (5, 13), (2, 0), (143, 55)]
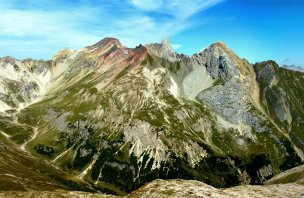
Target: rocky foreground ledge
[(182, 188), (179, 188)]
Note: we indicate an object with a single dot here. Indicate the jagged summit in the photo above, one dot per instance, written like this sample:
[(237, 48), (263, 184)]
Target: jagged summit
[(163, 49), (166, 45), (221, 61)]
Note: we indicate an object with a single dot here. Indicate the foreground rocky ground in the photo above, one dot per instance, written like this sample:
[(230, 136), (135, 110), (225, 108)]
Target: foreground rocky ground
[(182, 188), (179, 188)]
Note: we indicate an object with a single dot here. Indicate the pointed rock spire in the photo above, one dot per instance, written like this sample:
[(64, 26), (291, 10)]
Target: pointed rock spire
[(163, 50), (166, 45), (167, 50)]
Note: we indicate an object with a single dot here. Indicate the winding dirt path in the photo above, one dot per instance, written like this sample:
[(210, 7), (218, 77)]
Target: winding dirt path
[(22, 147)]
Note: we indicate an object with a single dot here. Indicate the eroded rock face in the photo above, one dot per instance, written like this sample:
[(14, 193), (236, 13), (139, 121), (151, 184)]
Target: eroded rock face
[(121, 117), (229, 101), (219, 61), (281, 94), (22, 82)]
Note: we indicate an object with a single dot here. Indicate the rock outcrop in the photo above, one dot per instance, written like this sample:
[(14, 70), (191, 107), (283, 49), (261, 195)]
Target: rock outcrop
[(182, 188)]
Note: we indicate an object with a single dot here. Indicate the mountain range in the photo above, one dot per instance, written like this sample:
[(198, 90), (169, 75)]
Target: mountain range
[(107, 118), (294, 68)]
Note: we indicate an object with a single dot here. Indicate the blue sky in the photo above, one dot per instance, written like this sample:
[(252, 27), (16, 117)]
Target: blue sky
[(255, 29)]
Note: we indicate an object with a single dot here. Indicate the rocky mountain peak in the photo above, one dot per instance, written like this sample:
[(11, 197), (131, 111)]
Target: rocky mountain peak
[(220, 44), (163, 50), (166, 46), (219, 61), (107, 42), (266, 74), (62, 54), (167, 50)]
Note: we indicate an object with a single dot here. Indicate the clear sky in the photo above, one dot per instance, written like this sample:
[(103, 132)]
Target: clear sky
[(255, 29)]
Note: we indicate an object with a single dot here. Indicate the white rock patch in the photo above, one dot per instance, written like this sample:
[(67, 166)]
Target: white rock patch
[(196, 81), (173, 87)]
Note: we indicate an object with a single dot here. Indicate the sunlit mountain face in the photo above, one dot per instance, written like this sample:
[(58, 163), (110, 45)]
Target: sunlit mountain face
[(130, 116), (116, 118)]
